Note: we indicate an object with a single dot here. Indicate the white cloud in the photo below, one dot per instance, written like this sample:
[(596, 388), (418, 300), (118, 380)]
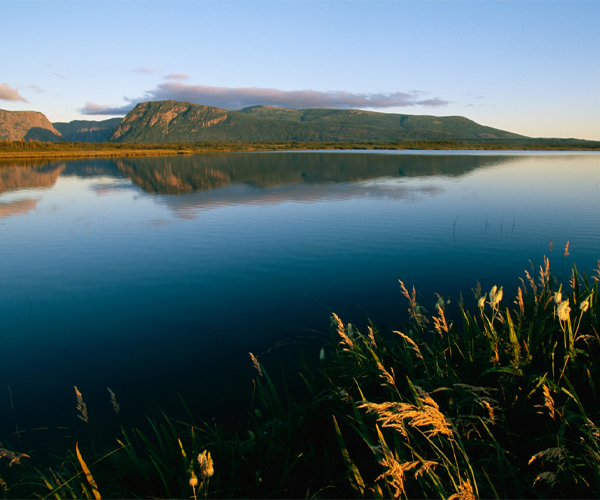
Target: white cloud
[(91, 108), (177, 76), (238, 98), (9, 94)]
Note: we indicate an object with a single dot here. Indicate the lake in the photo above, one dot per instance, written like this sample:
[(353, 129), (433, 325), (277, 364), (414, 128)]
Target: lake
[(156, 276)]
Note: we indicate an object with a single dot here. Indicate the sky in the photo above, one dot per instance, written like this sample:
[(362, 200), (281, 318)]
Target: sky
[(524, 66)]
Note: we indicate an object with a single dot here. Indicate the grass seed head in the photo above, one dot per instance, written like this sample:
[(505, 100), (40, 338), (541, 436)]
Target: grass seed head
[(346, 340), (495, 296), (113, 400), (563, 310), (465, 491), (15, 458), (256, 364), (547, 477), (548, 454), (520, 301), (206, 464), (395, 473), (428, 418), (81, 406)]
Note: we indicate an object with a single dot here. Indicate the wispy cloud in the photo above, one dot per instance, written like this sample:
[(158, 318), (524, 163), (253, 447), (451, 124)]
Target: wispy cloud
[(144, 70), (91, 108), (436, 102), (9, 94), (36, 88), (177, 76), (238, 98)]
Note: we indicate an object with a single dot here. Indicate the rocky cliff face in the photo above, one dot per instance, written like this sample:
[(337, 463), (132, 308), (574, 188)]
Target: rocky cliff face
[(15, 125), (167, 121)]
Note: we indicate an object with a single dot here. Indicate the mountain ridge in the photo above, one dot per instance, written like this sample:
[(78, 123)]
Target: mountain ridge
[(175, 121), (185, 122)]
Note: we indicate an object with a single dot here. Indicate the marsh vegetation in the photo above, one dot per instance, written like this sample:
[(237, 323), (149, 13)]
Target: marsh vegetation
[(499, 403)]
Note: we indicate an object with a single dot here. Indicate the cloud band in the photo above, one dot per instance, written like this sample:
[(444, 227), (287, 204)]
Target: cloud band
[(238, 98)]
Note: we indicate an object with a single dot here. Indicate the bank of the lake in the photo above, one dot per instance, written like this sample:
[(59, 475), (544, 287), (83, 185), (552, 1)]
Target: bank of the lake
[(10, 150)]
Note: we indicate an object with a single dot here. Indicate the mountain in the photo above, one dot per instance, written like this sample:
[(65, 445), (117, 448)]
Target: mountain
[(87, 130), (173, 121), (15, 125)]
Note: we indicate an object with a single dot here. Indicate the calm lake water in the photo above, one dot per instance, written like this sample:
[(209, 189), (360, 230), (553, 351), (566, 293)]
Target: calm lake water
[(156, 276)]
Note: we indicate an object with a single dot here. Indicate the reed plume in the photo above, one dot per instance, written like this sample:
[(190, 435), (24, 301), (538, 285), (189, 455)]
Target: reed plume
[(81, 407), (390, 378), (256, 364), (395, 472), (520, 301), (415, 311), (346, 340), (193, 482), (206, 465), (412, 344), (549, 401), (113, 400), (14, 458), (549, 454), (465, 491), (548, 477), (372, 337), (427, 417), (440, 324)]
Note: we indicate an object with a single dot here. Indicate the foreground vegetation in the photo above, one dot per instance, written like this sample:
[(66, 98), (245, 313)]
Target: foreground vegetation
[(38, 149), (502, 403)]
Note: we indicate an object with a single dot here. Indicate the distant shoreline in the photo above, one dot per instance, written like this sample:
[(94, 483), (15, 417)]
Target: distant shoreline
[(21, 150)]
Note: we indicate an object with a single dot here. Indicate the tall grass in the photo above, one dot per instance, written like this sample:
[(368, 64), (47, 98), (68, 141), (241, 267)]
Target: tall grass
[(500, 403)]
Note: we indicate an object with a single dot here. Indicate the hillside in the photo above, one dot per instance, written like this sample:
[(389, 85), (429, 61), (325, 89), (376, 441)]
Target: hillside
[(172, 121), (87, 130), (15, 125)]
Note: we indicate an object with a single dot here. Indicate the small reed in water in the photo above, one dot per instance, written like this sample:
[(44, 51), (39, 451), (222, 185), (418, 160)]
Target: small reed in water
[(113, 400), (81, 407), (14, 458), (346, 340), (256, 363)]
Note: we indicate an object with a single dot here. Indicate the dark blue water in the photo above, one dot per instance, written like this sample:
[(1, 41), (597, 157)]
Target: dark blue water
[(157, 276)]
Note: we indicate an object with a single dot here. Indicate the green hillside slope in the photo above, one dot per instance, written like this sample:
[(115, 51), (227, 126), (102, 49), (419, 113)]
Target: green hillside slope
[(172, 121)]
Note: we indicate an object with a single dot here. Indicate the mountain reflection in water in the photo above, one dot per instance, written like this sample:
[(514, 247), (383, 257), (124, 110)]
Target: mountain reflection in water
[(180, 174)]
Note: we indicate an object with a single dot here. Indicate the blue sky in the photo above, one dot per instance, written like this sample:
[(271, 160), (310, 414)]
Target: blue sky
[(528, 67)]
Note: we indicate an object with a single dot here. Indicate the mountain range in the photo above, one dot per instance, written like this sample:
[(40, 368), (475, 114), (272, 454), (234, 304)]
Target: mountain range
[(173, 121)]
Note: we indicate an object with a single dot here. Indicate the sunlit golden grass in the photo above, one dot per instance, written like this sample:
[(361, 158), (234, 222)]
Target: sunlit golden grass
[(500, 402)]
